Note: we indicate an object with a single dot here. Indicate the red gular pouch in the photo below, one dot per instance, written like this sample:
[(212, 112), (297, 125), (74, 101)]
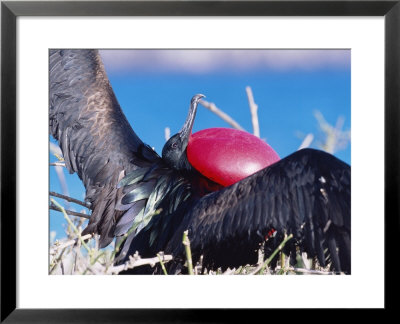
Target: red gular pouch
[(226, 155)]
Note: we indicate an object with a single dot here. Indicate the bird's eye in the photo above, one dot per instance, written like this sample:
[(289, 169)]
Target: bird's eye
[(174, 145)]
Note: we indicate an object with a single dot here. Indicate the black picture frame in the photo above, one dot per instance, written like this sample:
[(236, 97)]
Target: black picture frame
[(10, 10)]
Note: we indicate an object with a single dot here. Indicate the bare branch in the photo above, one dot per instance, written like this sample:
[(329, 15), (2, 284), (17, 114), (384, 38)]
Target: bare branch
[(73, 200), (213, 108), (319, 272), (167, 133), (260, 268), (136, 261), (75, 229), (56, 150), (306, 141), (69, 212), (335, 137), (253, 111), (56, 262), (160, 255), (186, 243), (61, 164), (56, 247), (229, 271)]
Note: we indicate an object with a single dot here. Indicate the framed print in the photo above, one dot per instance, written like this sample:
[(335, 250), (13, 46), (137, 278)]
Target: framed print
[(362, 38)]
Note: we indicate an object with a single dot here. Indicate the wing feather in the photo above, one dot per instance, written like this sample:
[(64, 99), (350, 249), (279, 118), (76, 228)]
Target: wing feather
[(94, 135), (306, 194)]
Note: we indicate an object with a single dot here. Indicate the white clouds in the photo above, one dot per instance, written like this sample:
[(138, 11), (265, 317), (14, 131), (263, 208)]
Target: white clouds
[(202, 61)]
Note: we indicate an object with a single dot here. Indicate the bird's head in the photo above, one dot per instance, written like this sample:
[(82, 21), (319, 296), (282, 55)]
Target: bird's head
[(222, 155), (174, 151)]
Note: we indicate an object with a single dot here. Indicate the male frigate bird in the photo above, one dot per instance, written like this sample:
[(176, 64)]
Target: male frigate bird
[(129, 186)]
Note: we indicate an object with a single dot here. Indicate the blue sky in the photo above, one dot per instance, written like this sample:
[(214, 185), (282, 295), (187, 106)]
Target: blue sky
[(154, 89)]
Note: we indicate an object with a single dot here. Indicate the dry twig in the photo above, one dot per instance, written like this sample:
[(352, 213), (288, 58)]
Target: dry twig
[(213, 108), (167, 133), (186, 243), (308, 271), (306, 141), (59, 246), (136, 261), (69, 199), (60, 164), (69, 212), (253, 111)]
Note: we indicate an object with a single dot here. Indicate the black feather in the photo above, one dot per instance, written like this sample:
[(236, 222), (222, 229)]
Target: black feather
[(289, 205)]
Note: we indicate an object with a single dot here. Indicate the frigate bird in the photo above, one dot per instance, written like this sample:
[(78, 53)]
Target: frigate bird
[(227, 212)]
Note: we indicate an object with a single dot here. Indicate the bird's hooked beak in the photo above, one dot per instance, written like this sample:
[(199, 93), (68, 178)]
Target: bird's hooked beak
[(186, 130)]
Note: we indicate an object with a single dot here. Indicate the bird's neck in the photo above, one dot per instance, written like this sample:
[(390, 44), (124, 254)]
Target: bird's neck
[(184, 166), (199, 182)]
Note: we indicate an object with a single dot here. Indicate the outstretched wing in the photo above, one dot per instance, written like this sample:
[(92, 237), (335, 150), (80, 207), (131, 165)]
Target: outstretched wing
[(306, 194), (96, 139)]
